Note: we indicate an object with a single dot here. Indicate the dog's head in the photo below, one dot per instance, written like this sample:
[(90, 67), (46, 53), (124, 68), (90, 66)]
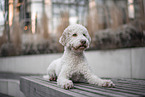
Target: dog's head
[(75, 37)]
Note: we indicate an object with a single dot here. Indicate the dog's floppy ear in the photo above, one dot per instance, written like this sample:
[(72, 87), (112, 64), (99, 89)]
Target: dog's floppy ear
[(89, 38), (62, 39)]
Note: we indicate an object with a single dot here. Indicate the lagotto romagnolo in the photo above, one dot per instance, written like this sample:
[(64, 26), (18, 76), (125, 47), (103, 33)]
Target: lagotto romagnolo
[(73, 66)]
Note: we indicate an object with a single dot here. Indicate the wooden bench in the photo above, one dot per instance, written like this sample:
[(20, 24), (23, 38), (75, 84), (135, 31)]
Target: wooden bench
[(36, 86)]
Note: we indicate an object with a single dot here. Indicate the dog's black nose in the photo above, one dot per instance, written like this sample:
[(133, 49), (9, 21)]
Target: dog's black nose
[(83, 41)]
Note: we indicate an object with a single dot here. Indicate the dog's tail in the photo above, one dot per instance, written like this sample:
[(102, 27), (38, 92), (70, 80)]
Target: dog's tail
[(46, 77)]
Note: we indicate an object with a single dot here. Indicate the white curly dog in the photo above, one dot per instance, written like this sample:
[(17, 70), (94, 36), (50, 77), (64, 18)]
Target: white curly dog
[(73, 66)]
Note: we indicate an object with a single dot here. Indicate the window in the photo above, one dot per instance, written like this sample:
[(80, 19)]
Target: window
[(131, 9)]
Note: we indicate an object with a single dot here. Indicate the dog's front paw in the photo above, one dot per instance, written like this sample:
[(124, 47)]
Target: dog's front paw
[(67, 84), (107, 83)]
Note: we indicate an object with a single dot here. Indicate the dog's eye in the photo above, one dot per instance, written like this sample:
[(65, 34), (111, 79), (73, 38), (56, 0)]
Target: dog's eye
[(84, 35), (74, 34)]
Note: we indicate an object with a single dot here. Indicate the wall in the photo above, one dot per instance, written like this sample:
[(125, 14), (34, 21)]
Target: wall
[(10, 87), (120, 63)]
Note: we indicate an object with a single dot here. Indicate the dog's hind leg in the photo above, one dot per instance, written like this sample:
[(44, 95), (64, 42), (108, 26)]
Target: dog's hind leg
[(51, 75)]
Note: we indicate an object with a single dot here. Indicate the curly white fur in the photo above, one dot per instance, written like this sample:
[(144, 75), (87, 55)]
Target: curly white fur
[(73, 66)]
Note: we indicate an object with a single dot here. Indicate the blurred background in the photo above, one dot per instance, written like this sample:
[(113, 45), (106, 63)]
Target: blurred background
[(34, 26), (30, 27)]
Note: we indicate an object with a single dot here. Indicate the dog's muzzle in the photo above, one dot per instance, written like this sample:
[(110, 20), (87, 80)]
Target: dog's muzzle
[(83, 45)]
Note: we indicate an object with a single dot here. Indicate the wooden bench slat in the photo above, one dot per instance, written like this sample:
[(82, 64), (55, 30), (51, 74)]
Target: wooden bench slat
[(87, 93), (83, 90), (36, 86), (131, 89), (97, 91), (134, 83), (106, 90), (76, 90), (127, 91), (125, 87), (46, 88)]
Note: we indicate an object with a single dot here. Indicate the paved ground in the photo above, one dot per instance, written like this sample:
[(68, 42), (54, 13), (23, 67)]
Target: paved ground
[(4, 95), (4, 75)]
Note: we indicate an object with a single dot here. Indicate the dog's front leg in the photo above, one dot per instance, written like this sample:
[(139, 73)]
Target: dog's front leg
[(64, 82), (93, 79)]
